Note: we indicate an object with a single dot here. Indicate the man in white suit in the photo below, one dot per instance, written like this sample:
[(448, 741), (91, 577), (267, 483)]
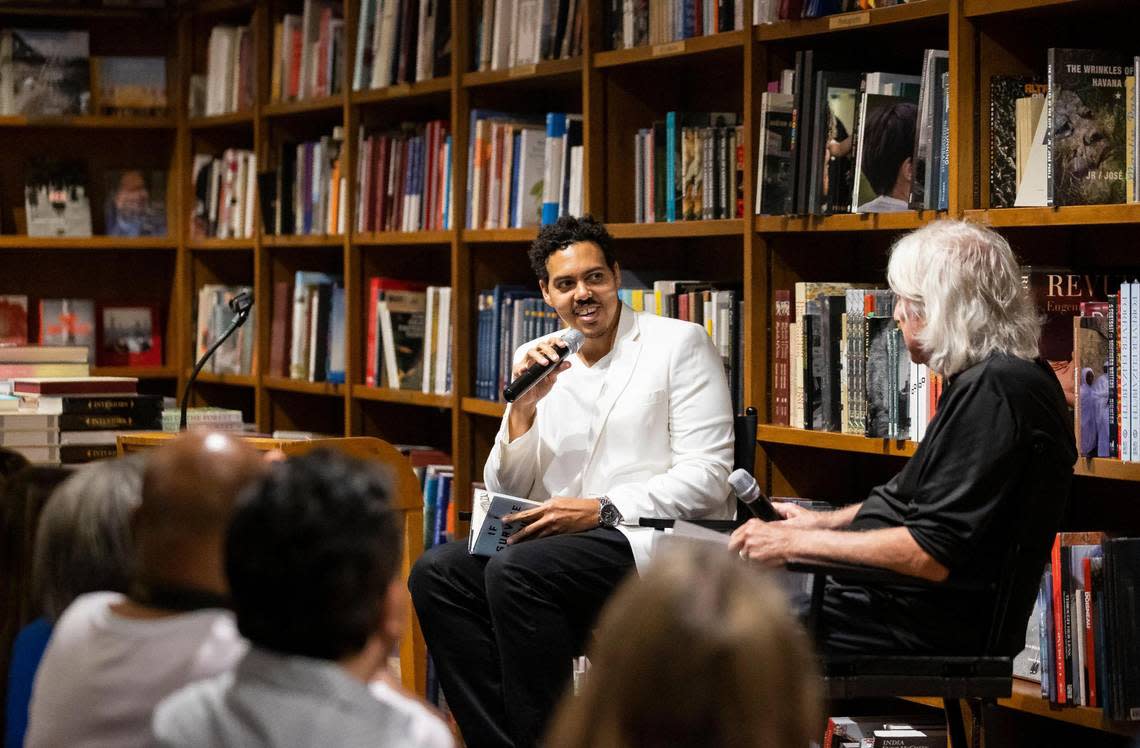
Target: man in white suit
[(637, 424)]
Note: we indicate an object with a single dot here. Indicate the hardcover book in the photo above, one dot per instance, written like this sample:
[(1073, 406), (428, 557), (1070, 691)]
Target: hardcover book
[(775, 188), (44, 73), (56, 200), (832, 161), (1086, 136), (489, 534), (886, 140), (1005, 90), (129, 335)]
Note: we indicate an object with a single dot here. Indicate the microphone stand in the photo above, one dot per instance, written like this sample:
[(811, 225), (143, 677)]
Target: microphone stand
[(240, 305)]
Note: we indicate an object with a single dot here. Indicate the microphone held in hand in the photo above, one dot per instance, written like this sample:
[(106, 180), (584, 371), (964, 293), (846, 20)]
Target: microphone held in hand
[(571, 341), (748, 490)]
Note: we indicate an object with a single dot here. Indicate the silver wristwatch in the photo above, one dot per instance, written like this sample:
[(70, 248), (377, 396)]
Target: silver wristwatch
[(608, 516)]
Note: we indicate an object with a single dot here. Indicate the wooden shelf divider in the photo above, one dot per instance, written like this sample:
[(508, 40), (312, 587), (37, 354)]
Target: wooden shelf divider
[(480, 407), (405, 397)]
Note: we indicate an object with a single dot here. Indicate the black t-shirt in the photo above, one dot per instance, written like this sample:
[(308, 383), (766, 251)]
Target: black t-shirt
[(959, 496)]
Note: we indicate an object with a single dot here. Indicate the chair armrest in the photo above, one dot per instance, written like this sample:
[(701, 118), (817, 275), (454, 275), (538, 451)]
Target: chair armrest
[(875, 575)]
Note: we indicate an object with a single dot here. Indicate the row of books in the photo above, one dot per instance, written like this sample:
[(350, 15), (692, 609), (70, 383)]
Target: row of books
[(845, 142), (841, 364), (224, 194), (308, 328), (689, 167), (520, 174), (49, 73), (228, 85), (641, 22), (408, 344), (404, 179), (308, 53), (71, 420), (1070, 139), (212, 317), (308, 193), (525, 32), (119, 334), (401, 41), (1085, 624), (771, 11)]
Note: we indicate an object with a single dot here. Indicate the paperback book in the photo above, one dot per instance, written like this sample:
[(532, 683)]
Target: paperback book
[(489, 534)]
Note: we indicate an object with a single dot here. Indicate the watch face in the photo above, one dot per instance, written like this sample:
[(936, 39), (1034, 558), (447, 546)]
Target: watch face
[(610, 515)]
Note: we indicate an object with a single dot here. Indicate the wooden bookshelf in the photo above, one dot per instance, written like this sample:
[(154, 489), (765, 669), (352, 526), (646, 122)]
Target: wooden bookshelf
[(156, 372), (617, 91)]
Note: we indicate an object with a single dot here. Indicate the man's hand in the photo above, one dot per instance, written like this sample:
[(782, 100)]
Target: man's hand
[(797, 516), (523, 409), (768, 543), (556, 516)]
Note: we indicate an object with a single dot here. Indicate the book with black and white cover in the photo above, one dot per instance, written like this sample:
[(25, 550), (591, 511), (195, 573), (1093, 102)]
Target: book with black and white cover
[(1005, 91), (44, 72), (832, 160), (776, 162), (489, 534)]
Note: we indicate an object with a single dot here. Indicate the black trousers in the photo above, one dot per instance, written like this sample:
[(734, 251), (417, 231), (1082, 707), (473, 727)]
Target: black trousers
[(503, 631)]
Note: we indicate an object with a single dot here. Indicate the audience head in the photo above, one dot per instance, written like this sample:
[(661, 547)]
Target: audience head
[(312, 558), (84, 542), (25, 494), (960, 296), (188, 492), (700, 650)]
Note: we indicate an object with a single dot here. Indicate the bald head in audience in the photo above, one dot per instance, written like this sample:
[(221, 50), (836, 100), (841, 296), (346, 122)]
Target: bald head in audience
[(189, 490)]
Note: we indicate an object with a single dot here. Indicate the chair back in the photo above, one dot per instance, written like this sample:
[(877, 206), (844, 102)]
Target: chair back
[(1046, 482)]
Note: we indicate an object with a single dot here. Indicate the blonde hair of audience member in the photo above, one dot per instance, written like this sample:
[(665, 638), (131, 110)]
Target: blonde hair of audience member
[(701, 650)]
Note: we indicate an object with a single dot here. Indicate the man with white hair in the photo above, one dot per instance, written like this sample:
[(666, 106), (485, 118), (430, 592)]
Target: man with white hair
[(953, 511)]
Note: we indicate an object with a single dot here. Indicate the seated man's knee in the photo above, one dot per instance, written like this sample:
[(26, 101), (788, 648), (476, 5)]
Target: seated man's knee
[(427, 574), (506, 573)]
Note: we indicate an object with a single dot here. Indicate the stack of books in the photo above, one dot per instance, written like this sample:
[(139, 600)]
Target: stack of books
[(43, 361), (71, 420), (398, 42), (214, 419)]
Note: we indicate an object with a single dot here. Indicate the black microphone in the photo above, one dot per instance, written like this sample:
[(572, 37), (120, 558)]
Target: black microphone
[(240, 306), (535, 373), (748, 490)]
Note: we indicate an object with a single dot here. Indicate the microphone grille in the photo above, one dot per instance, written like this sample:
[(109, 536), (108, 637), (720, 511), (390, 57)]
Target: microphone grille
[(740, 481), (573, 340)]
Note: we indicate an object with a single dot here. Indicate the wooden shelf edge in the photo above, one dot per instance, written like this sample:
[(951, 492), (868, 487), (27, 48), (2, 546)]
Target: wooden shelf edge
[(537, 71), (91, 122), (231, 380), (152, 372), (1069, 215), (683, 48), (500, 235), (860, 19), (1109, 469), (478, 406), (903, 221), (230, 119), (208, 245), (1027, 698), (403, 397), (303, 240), (87, 242), (768, 434), (974, 8), (304, 387), (677, 229), (401, 91), (389, 238), (304, 106)]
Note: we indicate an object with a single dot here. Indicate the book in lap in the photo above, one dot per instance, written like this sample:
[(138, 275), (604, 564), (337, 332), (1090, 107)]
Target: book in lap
[(488, 533)]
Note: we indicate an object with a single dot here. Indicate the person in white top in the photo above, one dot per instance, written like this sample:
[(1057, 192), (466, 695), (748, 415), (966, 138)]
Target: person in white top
[(313, 561), (637, 424), (111, 657)]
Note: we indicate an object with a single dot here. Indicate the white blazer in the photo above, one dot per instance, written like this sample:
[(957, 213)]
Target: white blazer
[(663, 432)]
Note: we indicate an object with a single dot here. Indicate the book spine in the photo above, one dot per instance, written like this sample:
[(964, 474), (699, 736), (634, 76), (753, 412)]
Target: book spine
[(74, 454), (1111, 366), (1050, 77), (781, 393), (106, 421), (141, 405), (1060, 677)]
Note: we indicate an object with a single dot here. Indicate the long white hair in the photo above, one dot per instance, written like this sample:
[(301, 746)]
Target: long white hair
[(964, 282)]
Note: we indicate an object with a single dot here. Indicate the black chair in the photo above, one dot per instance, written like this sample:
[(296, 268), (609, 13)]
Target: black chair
[(982, 678)]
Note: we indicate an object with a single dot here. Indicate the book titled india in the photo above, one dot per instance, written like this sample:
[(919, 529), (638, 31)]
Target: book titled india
[(1086, 137)]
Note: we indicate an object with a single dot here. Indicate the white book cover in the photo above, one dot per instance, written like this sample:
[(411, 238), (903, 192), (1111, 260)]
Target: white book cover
[(389, 346), (34, 421), (499, 131), (425, 39), (1033, 189), (10, 438), (575, 206), (532, 154), (386, 31), (508, 181), (489, 534), (443, 341), (431, 339), (234, 86), (88, 437), (219, 81), (501, 44), (527, 32)]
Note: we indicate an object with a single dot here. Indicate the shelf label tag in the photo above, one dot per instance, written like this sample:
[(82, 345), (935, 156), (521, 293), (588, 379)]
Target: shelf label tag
[(671, 48), (849, 20), (520, 71)]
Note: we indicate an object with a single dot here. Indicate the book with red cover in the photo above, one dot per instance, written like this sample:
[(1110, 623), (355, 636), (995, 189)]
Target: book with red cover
[(378, 286), (75, 385), (281, 329)]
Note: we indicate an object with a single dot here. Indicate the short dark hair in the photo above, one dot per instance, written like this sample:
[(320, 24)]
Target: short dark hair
[(888, 142), (562, 233), (310, 553)]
